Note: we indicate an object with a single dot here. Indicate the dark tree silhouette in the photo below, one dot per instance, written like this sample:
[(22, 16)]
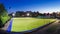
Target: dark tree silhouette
[(3, 13)]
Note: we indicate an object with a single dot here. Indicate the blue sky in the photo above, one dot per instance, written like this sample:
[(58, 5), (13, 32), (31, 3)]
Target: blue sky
[(33, 5)]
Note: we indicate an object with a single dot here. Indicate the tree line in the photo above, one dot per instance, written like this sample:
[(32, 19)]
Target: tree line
[(35, 14)]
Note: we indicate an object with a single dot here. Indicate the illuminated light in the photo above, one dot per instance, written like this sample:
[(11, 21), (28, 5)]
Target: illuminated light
[(13, 14), (28, 14)]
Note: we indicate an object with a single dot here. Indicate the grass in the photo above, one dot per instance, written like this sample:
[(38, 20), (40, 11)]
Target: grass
[(23, 24)]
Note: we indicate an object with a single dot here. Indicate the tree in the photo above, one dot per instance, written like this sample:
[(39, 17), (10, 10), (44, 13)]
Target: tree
[(3, 13), (54, 14), (2, 10)]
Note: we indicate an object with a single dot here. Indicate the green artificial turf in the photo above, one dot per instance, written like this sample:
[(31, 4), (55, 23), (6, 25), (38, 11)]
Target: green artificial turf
[(23, 24)]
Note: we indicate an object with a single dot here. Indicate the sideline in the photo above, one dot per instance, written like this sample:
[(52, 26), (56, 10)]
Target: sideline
[(10, 26)]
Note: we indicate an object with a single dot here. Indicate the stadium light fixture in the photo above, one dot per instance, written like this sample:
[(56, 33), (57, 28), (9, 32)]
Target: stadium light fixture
[(13, 14), (28, 14)]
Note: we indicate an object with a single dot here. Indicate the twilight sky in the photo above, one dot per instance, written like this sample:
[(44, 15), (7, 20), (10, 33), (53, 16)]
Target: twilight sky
[(33, 5)]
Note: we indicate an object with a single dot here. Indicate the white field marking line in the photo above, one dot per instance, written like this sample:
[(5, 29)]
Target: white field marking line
[(23, 18)]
